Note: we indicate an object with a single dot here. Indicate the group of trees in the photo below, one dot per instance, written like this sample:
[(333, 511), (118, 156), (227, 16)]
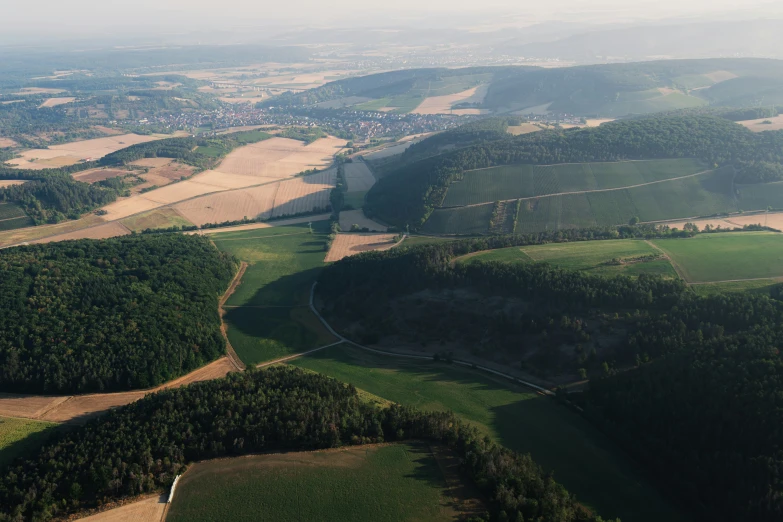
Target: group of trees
[(141, 447), (408, 195), (82, 316), (690, 385)]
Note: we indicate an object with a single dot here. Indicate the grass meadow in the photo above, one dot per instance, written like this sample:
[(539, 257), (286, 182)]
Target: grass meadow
[(18, 437), (588, 256), (379, 483), (268, 315), (584, 460), (727, 256)]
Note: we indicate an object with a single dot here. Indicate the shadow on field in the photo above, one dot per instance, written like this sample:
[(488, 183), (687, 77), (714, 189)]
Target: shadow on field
[(28, 446)]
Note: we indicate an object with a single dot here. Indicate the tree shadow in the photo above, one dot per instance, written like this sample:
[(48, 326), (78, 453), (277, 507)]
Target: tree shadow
[(27, 446)]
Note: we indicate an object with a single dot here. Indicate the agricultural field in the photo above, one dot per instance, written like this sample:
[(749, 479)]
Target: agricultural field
[(163, 218), (354, 200), (380, 483), (54, 102), (12, 217), (527, 181), (21, 235), (256, 202), (20, 436), (11, 182), (280, 158), (764, 124), (709, 258), (349, 218), (358, 177), (150, 509), (525, 128), (268, 316), (346, 245), (96, 175), (443, 104), (583, 459), (72, 153), (626, 257), (760, 196), (461, 220), (304, 194), (105, 231)]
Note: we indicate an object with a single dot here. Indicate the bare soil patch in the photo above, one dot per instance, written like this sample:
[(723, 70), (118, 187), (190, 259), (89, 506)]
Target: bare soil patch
[(11, 182), (761, 125), (150, 509), (443, 104), (71, 153), (525, 128), (357, 217), (346, 245), (54, 102), (7, 142)]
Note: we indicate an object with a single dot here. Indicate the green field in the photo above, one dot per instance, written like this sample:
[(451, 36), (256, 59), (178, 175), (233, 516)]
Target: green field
[(760, 196), (583, 459), (463, 220), (379, 483), (268, 315), (587, 256), (20, 436), (669, 102), (12, 217), (355, 199), (526, 181), (726, 256)]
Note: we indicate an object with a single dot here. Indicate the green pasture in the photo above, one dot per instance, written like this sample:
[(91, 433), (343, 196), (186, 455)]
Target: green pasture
[(582, 459), (268, 315), (392, 483), (726, 256)]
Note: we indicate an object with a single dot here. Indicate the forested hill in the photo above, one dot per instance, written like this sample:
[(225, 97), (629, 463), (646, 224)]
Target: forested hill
[(117, 314), (408, 195), (690, 385), (140, 448)]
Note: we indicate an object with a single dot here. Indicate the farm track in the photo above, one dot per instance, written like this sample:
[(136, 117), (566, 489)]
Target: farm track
[(232, 355), (530, 198)]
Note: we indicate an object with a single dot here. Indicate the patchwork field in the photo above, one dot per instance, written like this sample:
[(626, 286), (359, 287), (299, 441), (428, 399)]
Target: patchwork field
[(12, 217), (358, 177), (380, 483), (709, 258), (268, 316), (72, 153), (583, 459), (627, 257), (346, 245), (20, 436), (526, 181)]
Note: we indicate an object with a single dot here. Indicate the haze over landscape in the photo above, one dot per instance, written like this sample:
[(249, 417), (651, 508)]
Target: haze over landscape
[(490, 262)]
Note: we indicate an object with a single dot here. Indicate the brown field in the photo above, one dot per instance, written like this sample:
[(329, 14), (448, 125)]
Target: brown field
[(7, 142), (11, 182), (72, 153), (243, 99), (150, 509), (357, 217), (770, 219), (23, 235), (161, 173), (358, 177), (54, 102), (720, 76), (346, 245), (107, 130), (222, 180), (443, 104), (79, 408), (281, 157), (256, 202), (304, 194), (104, 231), (598, 121), (525, 128), (179, 192), (760, 126), (37, 90), (161, 218), (126, 207), (95, 175), (256, 226)]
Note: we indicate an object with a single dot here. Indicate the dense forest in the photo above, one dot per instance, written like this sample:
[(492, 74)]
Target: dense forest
[(689, 385), (408, 195), (141, 447), (117, 314)]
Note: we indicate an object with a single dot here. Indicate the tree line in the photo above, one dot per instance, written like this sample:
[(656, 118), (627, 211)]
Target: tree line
[(141, 447), (118, 314), (408, 195), (690, 385)]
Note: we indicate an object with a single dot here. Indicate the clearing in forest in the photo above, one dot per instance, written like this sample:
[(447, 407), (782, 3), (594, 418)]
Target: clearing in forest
[(728, 256), (18, 437), (268, 315), (557, 438), (764, 124), (346, 245), (380, 483)]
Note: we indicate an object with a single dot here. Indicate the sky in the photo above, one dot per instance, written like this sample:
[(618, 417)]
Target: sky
[(87, 18)]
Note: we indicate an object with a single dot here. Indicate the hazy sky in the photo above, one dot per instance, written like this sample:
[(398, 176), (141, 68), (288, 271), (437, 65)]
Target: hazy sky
[(103, 17)]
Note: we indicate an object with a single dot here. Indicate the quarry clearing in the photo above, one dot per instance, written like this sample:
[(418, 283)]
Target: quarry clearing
[(346, 245), (74, 152), (444, 104), (79, 408)]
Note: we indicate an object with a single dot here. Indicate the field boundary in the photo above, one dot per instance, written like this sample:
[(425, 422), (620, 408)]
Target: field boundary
[(517, 380), (529, 198), (236, 362)]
